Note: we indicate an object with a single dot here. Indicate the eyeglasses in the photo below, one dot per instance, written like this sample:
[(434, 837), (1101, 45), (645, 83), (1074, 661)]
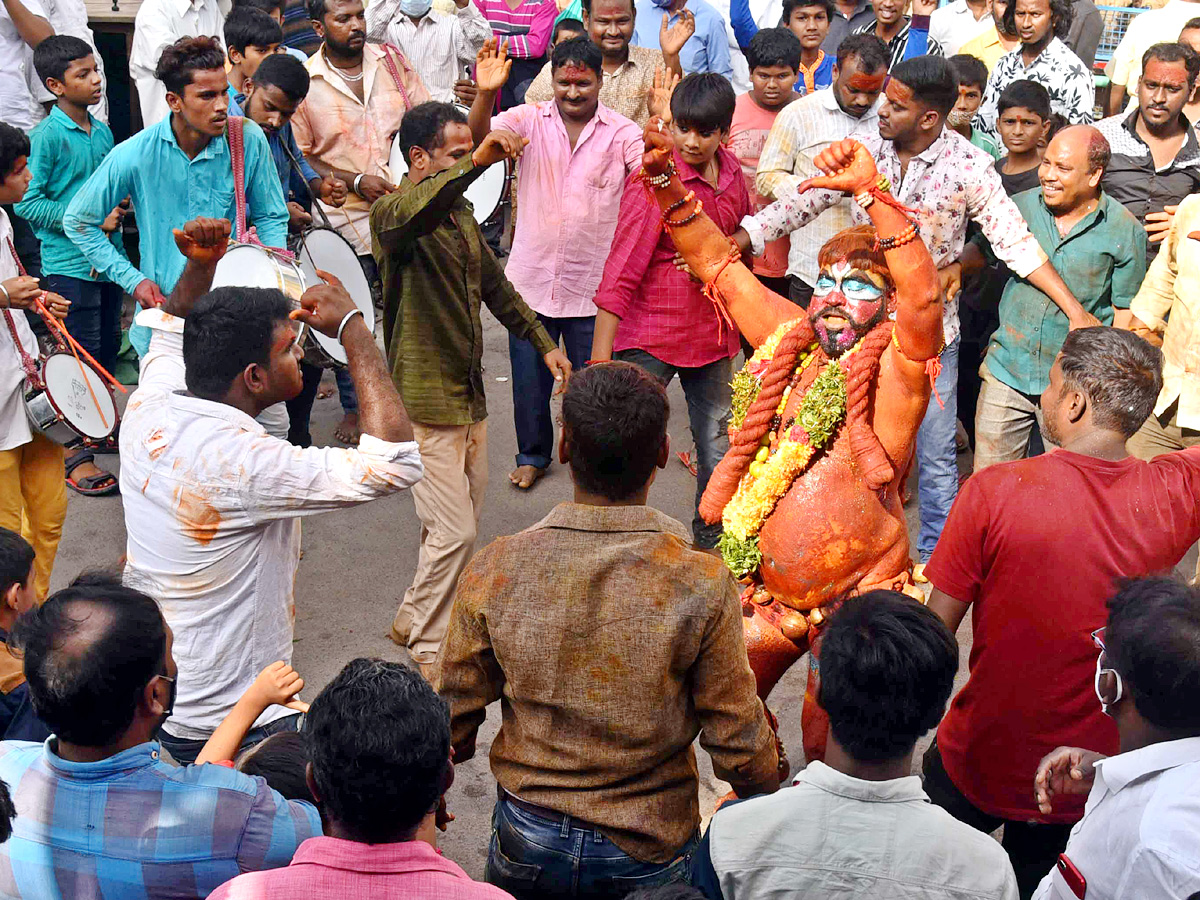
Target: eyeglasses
[(1098, 636), (1104, 692)]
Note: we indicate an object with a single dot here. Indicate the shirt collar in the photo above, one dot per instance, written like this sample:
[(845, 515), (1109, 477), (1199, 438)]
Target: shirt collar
[(829, 101), (1117, 772), (218, 146), (861, 6), (1097, 215), (582, 517), (725, 172), (1188, 151), (318, 65), (897, 790), (406, 857), (138, 757), (214, 409), (182, 7), (549, 109), (63, 119), (1048, 55), (931, 153)]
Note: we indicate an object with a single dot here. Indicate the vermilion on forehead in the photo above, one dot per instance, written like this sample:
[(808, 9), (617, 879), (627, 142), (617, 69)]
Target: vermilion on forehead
[(899, 92), (574, 74), (1166, 71), (866, 83)]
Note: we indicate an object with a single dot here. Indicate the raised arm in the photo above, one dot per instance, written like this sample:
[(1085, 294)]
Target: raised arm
[(492, 66)]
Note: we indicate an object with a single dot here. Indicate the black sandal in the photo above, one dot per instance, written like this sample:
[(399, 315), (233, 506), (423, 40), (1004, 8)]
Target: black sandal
[(100, 485)]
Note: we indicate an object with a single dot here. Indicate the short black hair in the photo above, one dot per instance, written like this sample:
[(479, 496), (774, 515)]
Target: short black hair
[(871, 52), (229, 329), (90, 650), (774, 47), (579, 50), (54, 55), (185, 56), (280, 760), (267, 6), (887, 669), (16, 559), (1153, 641), (317, 9), (14, 143), (704, 101), (1025, 94), (587, 7), (285, 72), (969, 71), (1190, 25), (615, 419), (562, 25), (1174, 52), (424, 126), (1120, 373), (931, 80), (379, 744), (790, 6), (8, 812), (1062, 14), (249, 27)]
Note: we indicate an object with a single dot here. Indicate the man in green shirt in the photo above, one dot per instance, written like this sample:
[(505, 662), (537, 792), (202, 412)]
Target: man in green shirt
[(436, 271), (1099, 249)]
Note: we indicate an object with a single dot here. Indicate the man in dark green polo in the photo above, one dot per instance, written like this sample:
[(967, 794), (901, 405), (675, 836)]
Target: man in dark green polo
[(1097, 246), (436, 271)]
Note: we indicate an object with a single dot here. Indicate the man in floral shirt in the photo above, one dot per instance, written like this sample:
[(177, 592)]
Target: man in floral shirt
[(949, 182)]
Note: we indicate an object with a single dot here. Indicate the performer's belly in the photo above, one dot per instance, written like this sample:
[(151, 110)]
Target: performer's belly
[(829, 533)]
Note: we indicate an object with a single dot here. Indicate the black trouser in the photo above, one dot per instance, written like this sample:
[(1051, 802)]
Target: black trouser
[(1032, 848), (300, 407)]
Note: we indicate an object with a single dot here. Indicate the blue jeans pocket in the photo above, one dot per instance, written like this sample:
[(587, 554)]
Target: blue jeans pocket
[(517, 878), (676, 871)]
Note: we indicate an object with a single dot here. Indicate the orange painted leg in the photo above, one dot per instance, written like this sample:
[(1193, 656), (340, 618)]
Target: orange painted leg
[(814, 722), (771, 654)]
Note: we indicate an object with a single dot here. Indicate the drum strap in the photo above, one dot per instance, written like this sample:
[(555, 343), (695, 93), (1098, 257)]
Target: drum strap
[(237, 154), (390, 64), (28, 363)]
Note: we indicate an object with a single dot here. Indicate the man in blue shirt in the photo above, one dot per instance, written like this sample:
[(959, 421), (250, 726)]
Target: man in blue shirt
[(707, 50), (102, 815), (175, 171)]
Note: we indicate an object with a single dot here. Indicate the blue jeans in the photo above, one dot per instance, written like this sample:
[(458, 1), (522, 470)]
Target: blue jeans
[(535, 857), (532, 384), (708, 395), (185, 750), (95, 316), (346, 393), (937, 457)]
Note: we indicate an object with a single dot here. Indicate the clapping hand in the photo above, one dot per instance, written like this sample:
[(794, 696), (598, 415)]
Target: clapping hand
[(492, 65)]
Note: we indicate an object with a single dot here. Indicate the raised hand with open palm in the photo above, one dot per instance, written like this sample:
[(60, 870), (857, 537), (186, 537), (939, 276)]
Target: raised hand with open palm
[(492, 65)]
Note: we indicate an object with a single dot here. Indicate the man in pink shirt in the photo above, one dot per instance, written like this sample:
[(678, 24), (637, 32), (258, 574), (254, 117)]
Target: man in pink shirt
[(568, 196), (379, 764), (651, 309)]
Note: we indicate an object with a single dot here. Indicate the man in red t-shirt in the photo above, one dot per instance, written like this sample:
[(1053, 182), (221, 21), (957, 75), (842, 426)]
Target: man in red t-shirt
[(1036, 546)]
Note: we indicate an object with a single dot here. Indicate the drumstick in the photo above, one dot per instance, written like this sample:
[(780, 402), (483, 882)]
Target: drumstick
[(55, 324), (357, 233), (87, 381)]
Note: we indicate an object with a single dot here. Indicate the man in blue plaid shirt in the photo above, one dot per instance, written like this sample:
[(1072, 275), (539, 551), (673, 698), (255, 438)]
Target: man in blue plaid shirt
[(99, 814)]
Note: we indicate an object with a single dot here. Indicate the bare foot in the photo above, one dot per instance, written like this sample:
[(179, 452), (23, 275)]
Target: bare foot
[(325, 390), (347, 430), (525, 477)]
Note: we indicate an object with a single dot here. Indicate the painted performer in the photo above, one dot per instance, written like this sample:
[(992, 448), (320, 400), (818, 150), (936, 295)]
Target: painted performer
[(825, 413)]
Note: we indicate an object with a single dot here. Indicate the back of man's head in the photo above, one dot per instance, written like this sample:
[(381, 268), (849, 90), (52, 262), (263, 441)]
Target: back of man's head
[(1153, 641), (284, 72), (90, 650), (614, 423), (931, 80), (229, 329), (379, 746), (887, 669), (1120, 373)]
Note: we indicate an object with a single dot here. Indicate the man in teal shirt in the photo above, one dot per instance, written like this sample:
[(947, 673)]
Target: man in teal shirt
[(175, 171), (1097, 246)]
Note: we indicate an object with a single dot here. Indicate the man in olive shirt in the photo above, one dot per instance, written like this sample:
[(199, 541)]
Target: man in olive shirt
[(436, 270), (1099, 248)]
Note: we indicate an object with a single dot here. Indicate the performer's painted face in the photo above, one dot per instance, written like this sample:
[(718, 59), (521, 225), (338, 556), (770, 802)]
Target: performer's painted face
[(847, 302)]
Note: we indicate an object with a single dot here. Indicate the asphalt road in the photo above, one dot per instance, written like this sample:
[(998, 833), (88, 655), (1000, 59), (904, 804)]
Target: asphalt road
[(358, 562)]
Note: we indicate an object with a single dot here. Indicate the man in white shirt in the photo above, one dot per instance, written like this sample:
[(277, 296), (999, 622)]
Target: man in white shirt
[(212, 511), (1137, 837), (160, 23), (958, 22), (859, 824), (23, 25), (442, 48)]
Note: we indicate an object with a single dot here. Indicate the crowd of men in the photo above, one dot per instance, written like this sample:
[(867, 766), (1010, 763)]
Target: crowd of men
[(154, 743)]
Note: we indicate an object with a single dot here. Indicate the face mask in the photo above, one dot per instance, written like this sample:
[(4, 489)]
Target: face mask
[(1104, 705), (415, 8), (958, 118), (662, 4)]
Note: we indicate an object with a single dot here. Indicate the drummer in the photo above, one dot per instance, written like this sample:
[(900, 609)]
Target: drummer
[(437, 270), (572, 177), (174, 171), (31, 466)]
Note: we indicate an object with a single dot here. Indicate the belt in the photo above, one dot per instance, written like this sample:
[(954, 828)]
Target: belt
[(532, 808)]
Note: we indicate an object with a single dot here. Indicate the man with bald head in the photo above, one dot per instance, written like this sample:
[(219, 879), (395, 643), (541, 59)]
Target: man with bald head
[(1097, 246)]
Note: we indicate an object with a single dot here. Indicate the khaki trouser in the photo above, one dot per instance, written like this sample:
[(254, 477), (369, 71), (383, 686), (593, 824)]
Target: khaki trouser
[(1159, 435), (1004, 421), (33, 501), (448, 501)]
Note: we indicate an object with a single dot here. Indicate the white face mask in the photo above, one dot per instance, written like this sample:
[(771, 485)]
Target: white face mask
[(415, 8), (1104, 705)]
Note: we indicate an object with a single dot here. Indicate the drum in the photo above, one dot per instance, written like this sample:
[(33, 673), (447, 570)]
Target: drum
[(325, 249), (485, 193), (254, 266), (65, 410)]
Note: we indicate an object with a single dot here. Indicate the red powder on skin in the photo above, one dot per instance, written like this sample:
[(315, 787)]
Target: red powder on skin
[(899, 92), (574, 73), (866, 83)]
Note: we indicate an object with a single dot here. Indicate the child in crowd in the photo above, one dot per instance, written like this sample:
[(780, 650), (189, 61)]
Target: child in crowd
[(972, 77), (281, 758), (66, 148), (809, 21), (774, 60), (651, 311), (274, 9), (564, 30), (1024, 125), (18, 721), (250, 37)]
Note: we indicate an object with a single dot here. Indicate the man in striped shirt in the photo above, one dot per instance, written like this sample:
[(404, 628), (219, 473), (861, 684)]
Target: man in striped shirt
[(526, 31), (441, 47)]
